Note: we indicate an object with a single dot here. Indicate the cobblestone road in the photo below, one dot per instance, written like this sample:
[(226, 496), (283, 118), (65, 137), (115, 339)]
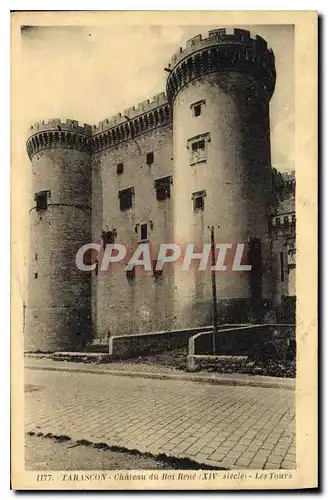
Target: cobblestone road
[(229, 427)]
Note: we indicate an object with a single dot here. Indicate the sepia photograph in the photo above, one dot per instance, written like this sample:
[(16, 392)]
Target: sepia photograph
[(160, 320)]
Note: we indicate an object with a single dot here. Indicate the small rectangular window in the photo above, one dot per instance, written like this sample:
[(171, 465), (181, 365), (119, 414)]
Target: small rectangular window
[(131, 274), (36, 256), (163, 188), (119, 168), (108, 237), (162, 192), (41, 199), (198, 204), (278, 221), (126, 196), (286, 220), (96, 268), (197, 108), (144, 231), (150, 158), (157, 273), (199, 201), (36, 276)]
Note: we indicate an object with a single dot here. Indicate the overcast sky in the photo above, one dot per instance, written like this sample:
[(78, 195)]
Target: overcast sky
[(90, 73)]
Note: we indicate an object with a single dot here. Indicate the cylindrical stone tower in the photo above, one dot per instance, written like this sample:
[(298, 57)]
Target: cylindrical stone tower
[(219, 89), (59, 302)]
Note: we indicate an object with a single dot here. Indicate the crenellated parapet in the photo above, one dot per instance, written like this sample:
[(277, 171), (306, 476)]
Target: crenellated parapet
[(131, 123), (224, 50), (57, 133)]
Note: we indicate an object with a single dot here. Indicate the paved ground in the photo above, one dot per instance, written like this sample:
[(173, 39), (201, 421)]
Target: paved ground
[(230, 427), (47, 454)]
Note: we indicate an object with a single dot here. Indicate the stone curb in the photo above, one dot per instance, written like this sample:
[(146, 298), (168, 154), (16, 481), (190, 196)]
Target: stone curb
[(270, 383)]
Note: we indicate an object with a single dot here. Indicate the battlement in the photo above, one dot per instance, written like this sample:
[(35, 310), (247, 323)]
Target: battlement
[(134, 121), (223, 50), (58, 133), (132, 112), (220, 36), (59, 124)]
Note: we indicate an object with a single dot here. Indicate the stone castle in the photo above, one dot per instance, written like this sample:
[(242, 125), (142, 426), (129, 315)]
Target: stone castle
[(165, 171)]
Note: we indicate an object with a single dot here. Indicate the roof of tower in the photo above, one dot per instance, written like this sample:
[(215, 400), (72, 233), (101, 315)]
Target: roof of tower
[(224, 50), (56, 133), (64, 124), (223, 36)]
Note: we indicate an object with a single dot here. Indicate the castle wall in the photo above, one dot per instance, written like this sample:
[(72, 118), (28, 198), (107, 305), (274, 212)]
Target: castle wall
[(124, 306), (229, 78)]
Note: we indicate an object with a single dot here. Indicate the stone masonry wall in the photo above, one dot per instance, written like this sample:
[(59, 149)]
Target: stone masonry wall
[(59, 300), (122, 306)]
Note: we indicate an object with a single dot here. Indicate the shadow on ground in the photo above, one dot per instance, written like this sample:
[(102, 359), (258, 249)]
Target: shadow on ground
[(48, 452)]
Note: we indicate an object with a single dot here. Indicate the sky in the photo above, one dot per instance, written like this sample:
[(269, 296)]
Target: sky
[(89, 73)]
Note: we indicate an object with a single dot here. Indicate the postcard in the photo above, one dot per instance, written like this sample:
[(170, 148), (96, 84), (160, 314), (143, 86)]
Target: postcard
[(164, 250)]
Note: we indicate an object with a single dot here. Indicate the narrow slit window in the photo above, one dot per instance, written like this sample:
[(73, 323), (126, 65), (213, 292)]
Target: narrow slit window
[(131, 274), (144, 231), (119, 168), (157, 273), (36, 276), (108, 237), (150, 158)]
